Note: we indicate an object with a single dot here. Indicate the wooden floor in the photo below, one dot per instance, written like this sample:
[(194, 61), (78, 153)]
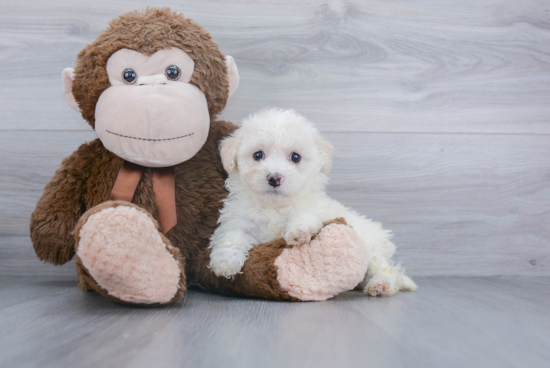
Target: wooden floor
[(449, 322)]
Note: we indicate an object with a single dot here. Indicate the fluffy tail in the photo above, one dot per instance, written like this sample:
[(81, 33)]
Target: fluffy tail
[(408, 284)]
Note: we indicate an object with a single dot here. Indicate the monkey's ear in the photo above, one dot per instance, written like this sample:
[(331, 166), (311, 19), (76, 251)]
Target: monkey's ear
[(232, 74), (325, 150), (67, 83), (228, 152)]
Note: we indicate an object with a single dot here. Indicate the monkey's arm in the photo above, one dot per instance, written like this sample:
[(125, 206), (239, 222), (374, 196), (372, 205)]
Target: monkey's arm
[(59, 209), (260, 274), (257, 279)]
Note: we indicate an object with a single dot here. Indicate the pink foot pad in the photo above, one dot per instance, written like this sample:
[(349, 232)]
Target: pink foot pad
[(125, 254), (379, 289), (334, 262)]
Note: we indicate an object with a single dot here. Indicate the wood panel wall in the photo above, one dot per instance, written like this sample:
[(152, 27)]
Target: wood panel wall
[(439, 112)]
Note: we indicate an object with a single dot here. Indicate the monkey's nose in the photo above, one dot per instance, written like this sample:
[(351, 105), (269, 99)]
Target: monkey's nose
[(275, 179), (152, 79)]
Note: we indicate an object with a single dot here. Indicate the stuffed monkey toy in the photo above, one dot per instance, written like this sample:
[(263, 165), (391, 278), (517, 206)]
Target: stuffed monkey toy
[(138, 205)]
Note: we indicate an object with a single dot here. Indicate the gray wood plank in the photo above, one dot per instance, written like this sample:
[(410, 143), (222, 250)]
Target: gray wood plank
[(372, 66), (458, 204), (17, 258), (30, 159), (448, 322)]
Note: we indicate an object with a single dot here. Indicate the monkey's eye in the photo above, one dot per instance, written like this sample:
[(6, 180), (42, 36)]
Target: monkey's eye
[(258, 155), (129, 76), (294, 157), (173, 73)]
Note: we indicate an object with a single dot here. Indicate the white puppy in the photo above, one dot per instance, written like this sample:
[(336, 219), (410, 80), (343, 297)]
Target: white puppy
[(277, 164)]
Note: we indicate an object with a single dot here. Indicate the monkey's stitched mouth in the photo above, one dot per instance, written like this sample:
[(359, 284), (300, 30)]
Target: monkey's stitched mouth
[(149, 139)]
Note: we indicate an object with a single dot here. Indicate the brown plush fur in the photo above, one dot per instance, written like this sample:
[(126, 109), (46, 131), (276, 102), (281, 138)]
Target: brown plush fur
[(86, 178)]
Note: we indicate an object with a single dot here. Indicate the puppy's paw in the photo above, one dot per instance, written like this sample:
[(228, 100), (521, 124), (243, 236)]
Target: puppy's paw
[(300, 235), (226, 262), (382, 284)]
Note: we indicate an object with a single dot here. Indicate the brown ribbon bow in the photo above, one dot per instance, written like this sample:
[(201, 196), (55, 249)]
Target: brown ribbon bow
[(164, 187)]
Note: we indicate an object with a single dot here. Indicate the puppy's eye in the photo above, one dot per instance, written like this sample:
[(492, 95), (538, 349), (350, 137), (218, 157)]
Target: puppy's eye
[(294, 157), (258, 155), (173, 73), (129, 76)]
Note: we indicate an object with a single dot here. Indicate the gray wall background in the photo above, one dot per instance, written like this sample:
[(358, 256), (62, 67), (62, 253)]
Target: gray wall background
[(439, 112)]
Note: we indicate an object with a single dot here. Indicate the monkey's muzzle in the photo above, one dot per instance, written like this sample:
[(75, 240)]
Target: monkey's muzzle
[(153, 124)]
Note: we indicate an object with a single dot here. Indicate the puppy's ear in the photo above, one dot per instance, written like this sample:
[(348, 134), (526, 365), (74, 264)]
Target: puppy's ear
[(228, 152), (325, 150)]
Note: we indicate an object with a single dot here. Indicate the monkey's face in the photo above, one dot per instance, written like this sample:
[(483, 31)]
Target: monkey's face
[(151, 114)]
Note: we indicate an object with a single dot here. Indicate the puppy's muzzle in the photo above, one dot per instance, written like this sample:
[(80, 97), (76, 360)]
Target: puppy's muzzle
[(275, 179)]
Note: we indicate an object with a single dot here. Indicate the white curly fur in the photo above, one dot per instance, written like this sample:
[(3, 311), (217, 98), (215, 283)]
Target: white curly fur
[(256, 212)]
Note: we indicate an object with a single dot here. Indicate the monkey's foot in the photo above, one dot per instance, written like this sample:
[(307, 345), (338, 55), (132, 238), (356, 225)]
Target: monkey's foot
[(333, 262), (122, 255)]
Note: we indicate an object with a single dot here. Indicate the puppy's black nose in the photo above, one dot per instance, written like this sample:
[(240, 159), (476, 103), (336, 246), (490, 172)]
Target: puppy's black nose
[(275, 179)]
